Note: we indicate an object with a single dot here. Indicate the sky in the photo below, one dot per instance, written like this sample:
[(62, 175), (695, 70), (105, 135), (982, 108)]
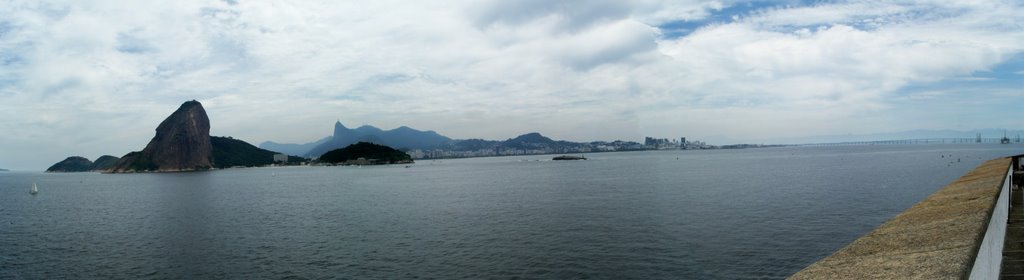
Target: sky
[(90, 78)]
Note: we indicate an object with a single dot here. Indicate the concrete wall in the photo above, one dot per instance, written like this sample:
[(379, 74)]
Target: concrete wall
[(990, 254), (937, 238)]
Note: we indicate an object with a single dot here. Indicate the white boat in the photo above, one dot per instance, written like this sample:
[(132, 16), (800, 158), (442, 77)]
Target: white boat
[(34, 190)]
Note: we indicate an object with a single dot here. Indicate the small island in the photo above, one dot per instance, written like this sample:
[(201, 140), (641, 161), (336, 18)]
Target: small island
[(81, 164), (569, 158), (365, 153), (2, 170)]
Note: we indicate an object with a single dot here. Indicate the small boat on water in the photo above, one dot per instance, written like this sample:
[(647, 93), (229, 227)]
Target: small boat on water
[(564, 157), (34, 190)]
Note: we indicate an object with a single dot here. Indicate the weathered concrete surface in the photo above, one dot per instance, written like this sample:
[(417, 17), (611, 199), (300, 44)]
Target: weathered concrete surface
[(937, 238), (1013, 249)]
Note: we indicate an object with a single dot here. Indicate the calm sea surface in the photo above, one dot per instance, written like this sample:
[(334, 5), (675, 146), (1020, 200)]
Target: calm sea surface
[(724, 214)]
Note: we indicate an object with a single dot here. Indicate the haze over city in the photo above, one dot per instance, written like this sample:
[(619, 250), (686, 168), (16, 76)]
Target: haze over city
[(91, 78)]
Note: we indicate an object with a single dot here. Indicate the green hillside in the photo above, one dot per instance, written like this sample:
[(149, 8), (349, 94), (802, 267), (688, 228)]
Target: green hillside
[(372, 153), (229, 152)]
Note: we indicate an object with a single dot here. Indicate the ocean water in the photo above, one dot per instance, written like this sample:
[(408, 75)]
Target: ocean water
[(717, 214)]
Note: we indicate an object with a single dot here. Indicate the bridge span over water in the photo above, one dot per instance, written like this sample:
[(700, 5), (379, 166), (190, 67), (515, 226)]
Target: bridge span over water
[(1002, 140)]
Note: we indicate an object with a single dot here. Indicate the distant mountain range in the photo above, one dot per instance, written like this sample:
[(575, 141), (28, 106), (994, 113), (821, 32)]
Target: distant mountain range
[(183, 143), (293, 149), (527, 141), (406, 138), (402, 138)]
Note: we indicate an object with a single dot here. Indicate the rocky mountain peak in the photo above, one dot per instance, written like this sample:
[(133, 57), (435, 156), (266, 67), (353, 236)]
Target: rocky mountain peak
[(339, 128), (182, 143)]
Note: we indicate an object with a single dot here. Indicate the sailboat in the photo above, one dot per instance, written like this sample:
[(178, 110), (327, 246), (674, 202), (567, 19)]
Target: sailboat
[(34, 190)]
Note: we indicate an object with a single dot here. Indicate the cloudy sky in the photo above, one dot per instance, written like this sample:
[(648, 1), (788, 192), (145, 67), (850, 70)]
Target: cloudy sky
[(95, 77)]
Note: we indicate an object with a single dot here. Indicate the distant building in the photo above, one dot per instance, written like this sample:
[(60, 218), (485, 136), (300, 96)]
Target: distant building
[(416, 154), (281, 158)]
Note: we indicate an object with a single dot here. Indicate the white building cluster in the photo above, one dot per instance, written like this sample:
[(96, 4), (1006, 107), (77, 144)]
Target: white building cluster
[(651, 143)]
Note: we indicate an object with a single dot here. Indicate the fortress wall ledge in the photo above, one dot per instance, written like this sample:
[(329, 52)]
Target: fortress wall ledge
[(955, 233)]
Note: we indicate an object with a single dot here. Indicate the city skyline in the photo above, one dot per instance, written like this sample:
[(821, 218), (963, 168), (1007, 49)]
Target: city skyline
[(94, 78)]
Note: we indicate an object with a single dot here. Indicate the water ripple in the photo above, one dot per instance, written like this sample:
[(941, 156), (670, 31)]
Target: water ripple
[(751, 214)]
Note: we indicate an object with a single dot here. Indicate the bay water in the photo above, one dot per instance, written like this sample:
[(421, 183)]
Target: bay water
[(709, 214)]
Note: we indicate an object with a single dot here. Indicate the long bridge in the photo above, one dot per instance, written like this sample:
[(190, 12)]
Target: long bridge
[(977, 140)]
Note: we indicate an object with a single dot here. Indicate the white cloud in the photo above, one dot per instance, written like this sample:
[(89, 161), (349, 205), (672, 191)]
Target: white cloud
[(833, 72), (657, 12), (98, 76)]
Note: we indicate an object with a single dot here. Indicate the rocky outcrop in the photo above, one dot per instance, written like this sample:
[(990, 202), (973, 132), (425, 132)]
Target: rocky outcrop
[(182, 143)]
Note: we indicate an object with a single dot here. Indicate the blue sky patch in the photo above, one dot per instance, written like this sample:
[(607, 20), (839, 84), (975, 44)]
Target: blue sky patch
[(681, 28)]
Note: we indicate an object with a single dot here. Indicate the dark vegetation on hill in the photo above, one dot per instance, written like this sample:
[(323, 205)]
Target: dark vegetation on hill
[(378, 154), (81, 164), (229, 152), (104, 163), (71, 164)]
